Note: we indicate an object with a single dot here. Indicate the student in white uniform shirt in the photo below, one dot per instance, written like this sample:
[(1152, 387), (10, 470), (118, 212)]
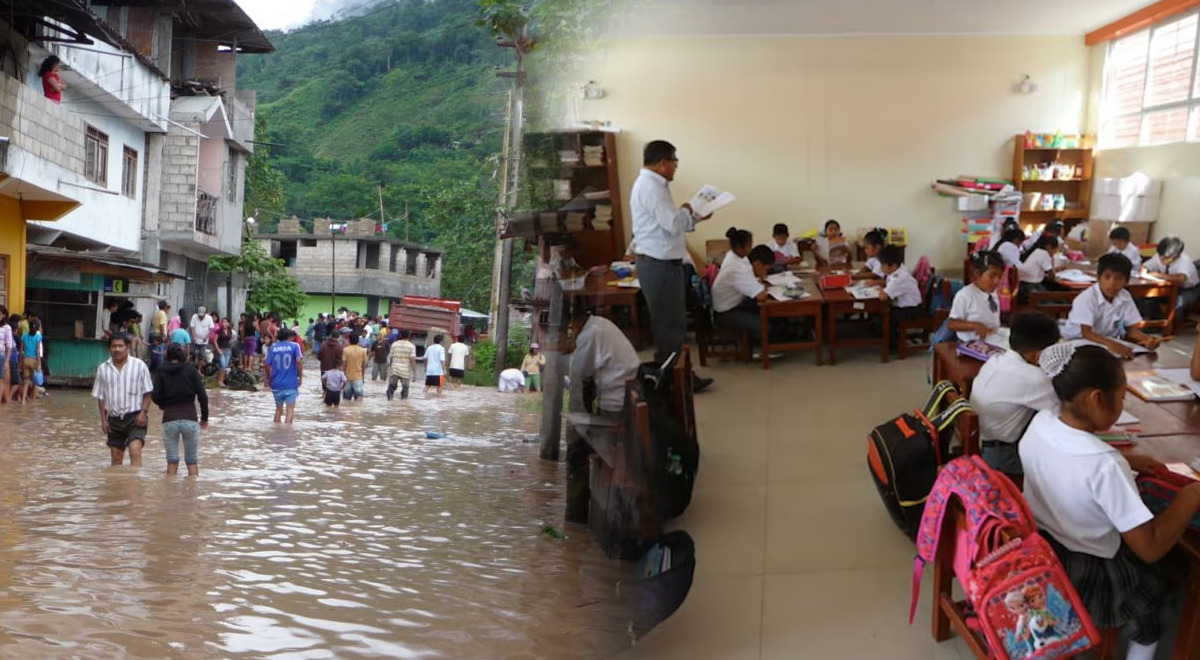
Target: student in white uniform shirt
[(602, 361), (1053, 229), (975, 312), (1105, 312), (739, 285), (830, 246), (784, 248), (1009, 247), (872, 244), (1085, 501), (1011, 388), (1173, 264), (1036, 271), (1121, 243), (900, 289)]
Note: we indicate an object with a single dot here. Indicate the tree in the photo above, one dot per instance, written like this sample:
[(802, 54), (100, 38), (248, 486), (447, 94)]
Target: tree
[(459, 216), (272, 287), (264, 182)]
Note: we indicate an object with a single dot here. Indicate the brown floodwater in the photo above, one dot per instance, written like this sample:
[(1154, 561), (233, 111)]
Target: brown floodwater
[(347, 535)]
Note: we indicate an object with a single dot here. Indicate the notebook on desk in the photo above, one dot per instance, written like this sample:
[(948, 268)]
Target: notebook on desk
[(1151, 387)]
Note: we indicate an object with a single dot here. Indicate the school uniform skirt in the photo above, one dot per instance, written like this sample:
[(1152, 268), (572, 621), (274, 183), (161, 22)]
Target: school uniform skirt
[(1120, 591)]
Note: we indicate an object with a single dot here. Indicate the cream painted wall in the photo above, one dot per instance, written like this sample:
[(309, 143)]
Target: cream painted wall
[(1176, 165), (803, 129)]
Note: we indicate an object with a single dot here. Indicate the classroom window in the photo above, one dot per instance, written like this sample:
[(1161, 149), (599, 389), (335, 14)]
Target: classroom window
[(95, 159), (1152, 86), (129, 173)]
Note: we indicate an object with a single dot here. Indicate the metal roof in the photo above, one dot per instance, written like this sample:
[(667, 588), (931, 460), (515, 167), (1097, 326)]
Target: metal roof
[(222, 21)]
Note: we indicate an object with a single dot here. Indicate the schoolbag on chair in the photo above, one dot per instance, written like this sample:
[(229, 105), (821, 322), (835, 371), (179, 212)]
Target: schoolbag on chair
[(1024, 604), (677, 456), (903, 456)]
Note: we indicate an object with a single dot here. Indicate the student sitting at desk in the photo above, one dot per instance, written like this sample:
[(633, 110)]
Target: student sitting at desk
[(975, 312), (1121, 243), (901, 289), (785, 250), (1053, 229), (739, 285), (1009, 247), (872, 244), (831, 248), (1011, 388), (1105, 312), (1086, 504), (1036, 271), (1174, 265), (602, 361)]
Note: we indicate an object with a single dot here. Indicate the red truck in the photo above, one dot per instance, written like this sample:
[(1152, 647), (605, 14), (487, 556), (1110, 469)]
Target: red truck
[(421, 315)]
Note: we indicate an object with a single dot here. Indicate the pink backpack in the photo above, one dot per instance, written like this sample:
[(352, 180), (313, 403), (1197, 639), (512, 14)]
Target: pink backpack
[(1024, 604), (922, 272)]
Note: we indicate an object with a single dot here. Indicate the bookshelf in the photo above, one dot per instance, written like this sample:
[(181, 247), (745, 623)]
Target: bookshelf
[(1075, 186), (568, 171)]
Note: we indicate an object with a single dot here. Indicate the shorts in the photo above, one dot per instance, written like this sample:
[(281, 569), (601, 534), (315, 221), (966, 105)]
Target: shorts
[(433, 381), (286, 397), (28, 366), (250, 345), (124, 430), (198, 351), (458, 373), (332, 398)]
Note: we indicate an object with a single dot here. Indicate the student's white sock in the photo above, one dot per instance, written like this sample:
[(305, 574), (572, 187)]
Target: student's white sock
[(1141, 651)]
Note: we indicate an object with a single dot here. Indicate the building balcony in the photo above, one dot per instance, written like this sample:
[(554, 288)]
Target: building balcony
[(114, 79)]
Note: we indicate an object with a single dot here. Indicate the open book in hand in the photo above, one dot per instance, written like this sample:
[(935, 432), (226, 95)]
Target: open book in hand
[(709, 200)]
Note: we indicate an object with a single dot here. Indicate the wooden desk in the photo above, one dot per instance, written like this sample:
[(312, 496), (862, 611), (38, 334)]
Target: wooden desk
[(812, 306), (598, 295), (840, 302)]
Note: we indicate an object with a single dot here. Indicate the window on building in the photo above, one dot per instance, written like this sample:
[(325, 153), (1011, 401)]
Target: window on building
[(129, 173), (308, 242), (1152, 86), (95, 159), (287, 252), (231, 183)]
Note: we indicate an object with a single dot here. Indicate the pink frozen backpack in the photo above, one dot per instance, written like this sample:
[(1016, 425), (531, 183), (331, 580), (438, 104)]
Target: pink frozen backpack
[(1023, 602)]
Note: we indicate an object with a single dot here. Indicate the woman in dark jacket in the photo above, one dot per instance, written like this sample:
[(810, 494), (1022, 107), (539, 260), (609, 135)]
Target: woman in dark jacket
[(177, 386)]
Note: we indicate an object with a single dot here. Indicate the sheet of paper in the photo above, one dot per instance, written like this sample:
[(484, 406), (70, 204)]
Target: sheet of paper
[(1074, 275), (709, 200), (1182, 376), (861, 292), (1126, 418), (631, 283), (784, 279)]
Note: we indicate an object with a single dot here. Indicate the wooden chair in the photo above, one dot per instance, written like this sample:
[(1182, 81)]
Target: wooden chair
[(685, 406), (715, 249), (966, 427), (925, 326), (718, 342), (1055, 304)]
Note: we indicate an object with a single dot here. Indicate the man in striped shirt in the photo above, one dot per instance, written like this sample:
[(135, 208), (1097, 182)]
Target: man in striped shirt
[(123, 388)]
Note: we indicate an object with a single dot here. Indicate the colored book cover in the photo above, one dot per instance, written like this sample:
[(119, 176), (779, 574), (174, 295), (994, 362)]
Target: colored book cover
[(1154, 388), (979, 350)]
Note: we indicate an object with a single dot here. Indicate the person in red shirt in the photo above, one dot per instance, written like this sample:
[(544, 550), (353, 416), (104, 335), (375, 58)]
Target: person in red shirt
[(52, 84)]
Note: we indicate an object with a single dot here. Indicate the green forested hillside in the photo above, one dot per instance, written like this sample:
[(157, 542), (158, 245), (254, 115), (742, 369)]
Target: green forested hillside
[(404, 96)]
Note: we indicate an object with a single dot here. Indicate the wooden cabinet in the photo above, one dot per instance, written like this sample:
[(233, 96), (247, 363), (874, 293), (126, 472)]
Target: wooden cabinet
[(1052, 179)]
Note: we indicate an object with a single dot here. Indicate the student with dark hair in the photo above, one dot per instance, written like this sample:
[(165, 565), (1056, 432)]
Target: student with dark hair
[(177, 388), (52, 84), (122, 390), (830, 246), (1009, 247), (1086, 504), (786, 251), (1037, 268), (1105, 312), (1174, 265), (740, 244), (872, 244), (1011, 388), (975, 312), (1053, 229), (659, 237), (739, 287), (900, 289), (1121, 241)]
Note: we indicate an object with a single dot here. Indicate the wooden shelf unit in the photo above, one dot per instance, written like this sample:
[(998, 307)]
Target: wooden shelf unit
[(544, 166), (1077, 190)]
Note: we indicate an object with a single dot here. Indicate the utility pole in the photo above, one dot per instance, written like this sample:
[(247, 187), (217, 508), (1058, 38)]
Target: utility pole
[(382, 217), (522, 46), (332, 272), (498, 256)]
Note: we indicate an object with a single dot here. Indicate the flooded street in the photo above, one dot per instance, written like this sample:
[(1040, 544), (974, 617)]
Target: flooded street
[(349, 535)]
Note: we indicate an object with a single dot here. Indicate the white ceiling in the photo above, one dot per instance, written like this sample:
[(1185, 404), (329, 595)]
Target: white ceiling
[(766, 17)]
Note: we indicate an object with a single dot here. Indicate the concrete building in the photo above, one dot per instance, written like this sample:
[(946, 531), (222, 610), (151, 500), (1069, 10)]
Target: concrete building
[(357, 269)]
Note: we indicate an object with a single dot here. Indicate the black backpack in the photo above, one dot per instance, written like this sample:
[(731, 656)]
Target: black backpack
[(676, 453), (904, 454)]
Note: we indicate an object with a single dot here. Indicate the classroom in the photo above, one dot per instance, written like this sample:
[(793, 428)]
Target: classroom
[(908, 116)]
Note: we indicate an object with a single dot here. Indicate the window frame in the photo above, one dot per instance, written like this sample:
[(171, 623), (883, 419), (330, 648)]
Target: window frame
[(129, 172), (95, 155), (1191, 103)]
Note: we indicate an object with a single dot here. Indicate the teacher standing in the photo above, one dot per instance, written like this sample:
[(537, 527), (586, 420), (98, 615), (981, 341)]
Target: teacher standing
[(659, 237)]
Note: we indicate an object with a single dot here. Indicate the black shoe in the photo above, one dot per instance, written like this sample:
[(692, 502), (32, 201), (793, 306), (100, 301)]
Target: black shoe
[(700, 384)]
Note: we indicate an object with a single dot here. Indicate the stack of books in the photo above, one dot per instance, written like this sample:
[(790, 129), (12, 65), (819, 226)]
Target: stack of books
[(593, 155), (575, 221), (562, 189), (602, 220), (568, 156)]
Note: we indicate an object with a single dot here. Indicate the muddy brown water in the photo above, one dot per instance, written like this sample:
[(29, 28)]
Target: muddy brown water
[(348, 535)]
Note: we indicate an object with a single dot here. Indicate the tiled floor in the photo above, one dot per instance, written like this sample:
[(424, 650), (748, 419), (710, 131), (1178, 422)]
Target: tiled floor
[(796, 556)]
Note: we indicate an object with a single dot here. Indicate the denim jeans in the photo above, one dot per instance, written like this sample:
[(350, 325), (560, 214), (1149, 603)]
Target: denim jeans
[(190, 431), (354, 389)]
